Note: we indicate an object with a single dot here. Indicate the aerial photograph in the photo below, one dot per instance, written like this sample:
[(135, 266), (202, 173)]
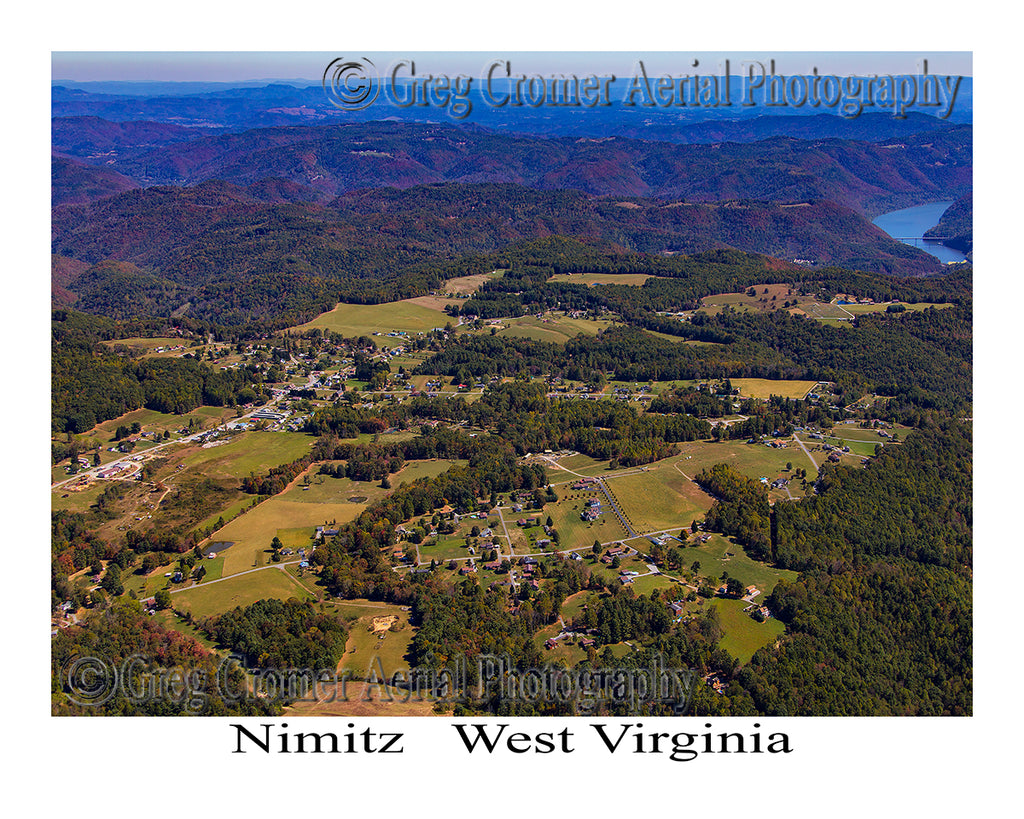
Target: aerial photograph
[(463, 384)]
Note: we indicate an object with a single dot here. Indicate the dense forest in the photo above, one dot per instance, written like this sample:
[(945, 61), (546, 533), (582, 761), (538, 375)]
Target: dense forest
[(276, 634), (217, 251), (91, 383), (129, 643), (957, 226)]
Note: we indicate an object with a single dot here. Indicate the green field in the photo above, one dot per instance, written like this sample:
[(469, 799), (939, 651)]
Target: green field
[(325, 489), (645, 585), (575, 533), (720, 555), (207, 599), (146, 347), (252, 533), (775, 296), (574, 603), (865, 449), (579, 464), (663, 496), (151, 420), (228, 513), (827, 313), (660, 497), (680, 340), (248, 453), (146, 585), (609, 576), (743, 634), (851, 432), (861, 309), (445, 548), (414, 470), (564, 652), (568, 652), (214, 568), (354, 320), (753, 460), (76, 501)]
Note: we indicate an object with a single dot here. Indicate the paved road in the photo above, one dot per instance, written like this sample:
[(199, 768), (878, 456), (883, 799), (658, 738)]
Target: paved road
[(91, 472), (508, 537), (807, 452), (237, 574)]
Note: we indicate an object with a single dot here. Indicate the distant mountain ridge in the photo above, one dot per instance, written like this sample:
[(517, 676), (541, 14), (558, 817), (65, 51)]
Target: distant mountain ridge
[(250, 105), (871, 177)]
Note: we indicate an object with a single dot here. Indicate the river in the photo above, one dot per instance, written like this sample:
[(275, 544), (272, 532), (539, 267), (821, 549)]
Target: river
[(909, 224)]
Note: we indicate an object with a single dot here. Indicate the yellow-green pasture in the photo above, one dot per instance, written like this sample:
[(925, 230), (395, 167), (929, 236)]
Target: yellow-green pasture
[(209, 598), (409, 315)]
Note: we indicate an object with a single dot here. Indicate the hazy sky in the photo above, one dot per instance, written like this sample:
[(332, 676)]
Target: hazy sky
[(255, 65)]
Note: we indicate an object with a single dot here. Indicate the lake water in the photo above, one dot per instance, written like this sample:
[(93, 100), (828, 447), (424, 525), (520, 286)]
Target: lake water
[(909, 224)]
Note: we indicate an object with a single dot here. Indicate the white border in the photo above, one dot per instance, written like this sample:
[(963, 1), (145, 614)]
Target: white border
[(840, 767)]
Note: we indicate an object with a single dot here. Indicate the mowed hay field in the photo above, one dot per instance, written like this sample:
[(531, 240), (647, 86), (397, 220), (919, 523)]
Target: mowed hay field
[(249, 452), (764, 388), (411, 315), (252, 532), (753, 460), (206, 599), (659, 498), (464, 285), (555, 329)]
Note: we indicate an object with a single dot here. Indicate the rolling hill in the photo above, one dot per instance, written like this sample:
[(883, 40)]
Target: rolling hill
[(219, 250), (868, 176)]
